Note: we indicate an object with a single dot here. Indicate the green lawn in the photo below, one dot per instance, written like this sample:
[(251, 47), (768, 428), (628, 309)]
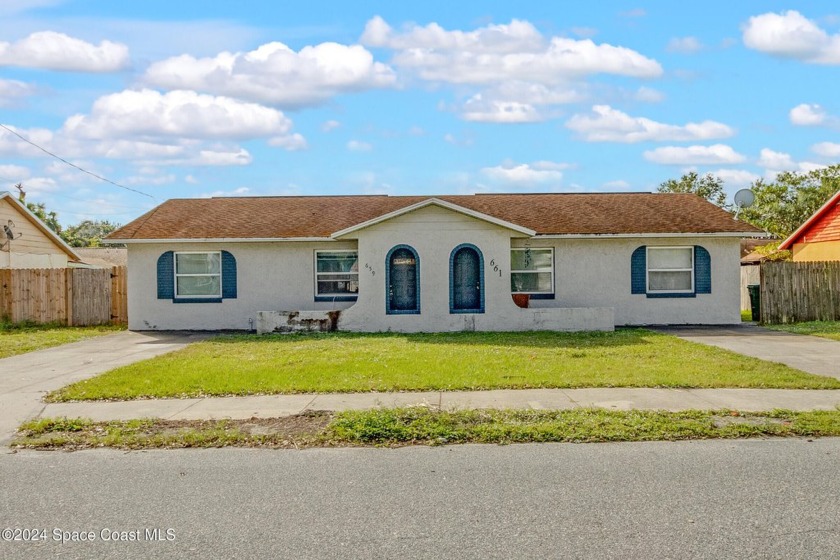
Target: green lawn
[(346, 362), (25, 337), (825, 329)]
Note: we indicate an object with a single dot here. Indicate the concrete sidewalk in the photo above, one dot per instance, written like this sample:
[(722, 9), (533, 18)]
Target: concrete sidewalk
[(810, 354), (535, 399), (25, 378)]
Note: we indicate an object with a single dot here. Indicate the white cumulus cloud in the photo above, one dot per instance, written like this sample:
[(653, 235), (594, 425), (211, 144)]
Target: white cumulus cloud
[(825, 149), (771, 159), (479, 109), (526, 173), (605, 124), (275, 74), (791, 35), (165, 151), (807, 114), (775, 162), (516, 36), (57, 51), (13, 90), (513, 69), (736, 177), (486, 61), (10, 173), (182, 114), (811, 114), (716, 154)]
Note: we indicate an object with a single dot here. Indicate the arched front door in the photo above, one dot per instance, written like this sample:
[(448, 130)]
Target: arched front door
[(403, 280), (467, 280)]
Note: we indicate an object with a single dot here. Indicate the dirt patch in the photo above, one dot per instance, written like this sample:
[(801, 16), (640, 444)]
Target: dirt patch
[(722, 421), (301, 430)]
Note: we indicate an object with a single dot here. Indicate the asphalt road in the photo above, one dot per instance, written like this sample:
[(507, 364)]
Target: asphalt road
[(712, 499)]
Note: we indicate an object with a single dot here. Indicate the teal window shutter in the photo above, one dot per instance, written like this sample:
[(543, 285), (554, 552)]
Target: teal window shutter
[(228, 276), (166, 276), (702, 271), (638, 271)]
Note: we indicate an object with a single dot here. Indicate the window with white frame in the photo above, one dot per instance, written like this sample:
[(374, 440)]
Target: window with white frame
[(532, 270), (198, 274), (670, 269), (336, 273)]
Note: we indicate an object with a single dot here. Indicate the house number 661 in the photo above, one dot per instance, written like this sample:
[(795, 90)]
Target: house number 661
[(496, 267)]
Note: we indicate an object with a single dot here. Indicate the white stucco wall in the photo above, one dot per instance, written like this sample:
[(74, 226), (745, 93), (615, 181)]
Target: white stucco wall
[(596, 272), (433, 232), (592, 281), (270, 277)]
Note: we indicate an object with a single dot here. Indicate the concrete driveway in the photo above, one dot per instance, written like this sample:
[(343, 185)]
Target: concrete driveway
[(25, 378), (810, 354)]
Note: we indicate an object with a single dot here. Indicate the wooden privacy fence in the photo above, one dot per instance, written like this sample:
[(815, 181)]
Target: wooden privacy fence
[(72, 296), (800, 291)]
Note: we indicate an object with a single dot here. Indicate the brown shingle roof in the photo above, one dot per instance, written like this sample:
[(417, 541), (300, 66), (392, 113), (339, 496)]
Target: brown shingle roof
[(320, 216)]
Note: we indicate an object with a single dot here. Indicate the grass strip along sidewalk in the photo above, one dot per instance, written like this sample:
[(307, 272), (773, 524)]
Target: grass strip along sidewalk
[(824, 329), (350, 362), (419, 425), (19, 338)]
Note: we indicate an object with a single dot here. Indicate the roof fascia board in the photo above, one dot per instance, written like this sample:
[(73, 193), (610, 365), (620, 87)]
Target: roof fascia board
[(45, 229), (117, 241), (442, 204), (788, 243), (738, 234)]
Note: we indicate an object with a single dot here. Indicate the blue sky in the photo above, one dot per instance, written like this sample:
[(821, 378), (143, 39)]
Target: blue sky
[(189, 99)]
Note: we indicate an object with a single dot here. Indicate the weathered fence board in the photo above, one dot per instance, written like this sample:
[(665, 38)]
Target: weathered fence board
[(72, 296), (91, 296), (119, 295), (800, 291)]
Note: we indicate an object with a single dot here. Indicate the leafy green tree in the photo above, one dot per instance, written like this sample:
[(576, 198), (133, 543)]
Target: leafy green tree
[(48, 217), (785, 203), (708, 186), (88, 233)]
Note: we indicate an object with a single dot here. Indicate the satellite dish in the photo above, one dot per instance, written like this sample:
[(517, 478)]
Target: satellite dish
[(743, 199)]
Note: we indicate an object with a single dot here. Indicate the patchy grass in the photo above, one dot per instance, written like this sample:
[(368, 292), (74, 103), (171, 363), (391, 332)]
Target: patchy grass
[(825, 329), (346, 362), (80, 433), (19, 338), (411, 426)]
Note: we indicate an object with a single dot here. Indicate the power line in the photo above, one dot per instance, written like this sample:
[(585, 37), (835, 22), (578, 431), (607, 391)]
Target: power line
[(74, 165), (107, 202)]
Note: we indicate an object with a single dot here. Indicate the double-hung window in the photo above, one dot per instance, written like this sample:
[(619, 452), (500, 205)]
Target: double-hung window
[(336, 275), (670, 270), (532, 271), (198, 275)]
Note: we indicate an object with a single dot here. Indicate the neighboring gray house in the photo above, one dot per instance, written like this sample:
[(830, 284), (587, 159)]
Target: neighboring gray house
[(446, 263)]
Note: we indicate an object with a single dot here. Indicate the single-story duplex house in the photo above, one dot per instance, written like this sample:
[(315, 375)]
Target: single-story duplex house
[(818, 239), (434, 263)]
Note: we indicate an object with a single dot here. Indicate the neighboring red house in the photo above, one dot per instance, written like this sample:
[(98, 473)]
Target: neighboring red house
[(818, 239)]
